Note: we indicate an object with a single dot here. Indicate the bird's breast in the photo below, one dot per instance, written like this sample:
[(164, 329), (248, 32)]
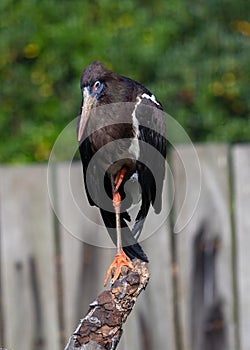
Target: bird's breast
[(115, 146), (114, 134)]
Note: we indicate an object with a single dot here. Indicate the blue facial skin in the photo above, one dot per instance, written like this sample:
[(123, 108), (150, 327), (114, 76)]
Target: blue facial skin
[(96, 89)]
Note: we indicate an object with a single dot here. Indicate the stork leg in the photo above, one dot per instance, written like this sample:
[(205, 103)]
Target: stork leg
[(121, 259)]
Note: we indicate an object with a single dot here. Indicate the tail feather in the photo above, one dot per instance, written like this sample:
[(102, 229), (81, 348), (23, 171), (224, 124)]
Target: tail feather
[(135, 251), (130, 246)]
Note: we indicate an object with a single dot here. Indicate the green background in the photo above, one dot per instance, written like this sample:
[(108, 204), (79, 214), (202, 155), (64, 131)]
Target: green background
[(193, 55)]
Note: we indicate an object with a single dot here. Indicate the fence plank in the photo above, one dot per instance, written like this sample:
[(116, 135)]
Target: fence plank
[(28, 269), (213, 208), (241, 171)]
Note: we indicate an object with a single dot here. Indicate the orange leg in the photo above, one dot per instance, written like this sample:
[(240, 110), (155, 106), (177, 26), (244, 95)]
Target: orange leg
[(119, 178), (121, 259)]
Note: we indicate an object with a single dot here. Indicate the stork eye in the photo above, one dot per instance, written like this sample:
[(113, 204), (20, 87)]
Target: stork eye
[(96, 85)]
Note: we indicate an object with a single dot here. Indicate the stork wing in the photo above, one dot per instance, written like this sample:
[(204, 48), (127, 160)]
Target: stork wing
[(91, 175)]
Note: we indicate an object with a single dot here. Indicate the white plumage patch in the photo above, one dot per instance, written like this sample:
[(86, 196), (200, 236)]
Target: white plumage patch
[(152, 98), (134, 148)]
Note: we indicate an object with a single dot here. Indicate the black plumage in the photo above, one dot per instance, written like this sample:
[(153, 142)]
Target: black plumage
[(120, 121)]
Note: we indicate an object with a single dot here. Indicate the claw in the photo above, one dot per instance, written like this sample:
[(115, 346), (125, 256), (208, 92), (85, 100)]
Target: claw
[(121, 259)]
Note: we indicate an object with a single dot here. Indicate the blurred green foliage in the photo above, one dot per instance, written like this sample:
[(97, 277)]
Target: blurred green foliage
[(193, 55)]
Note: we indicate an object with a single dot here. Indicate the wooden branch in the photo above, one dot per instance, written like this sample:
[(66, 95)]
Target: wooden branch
[(101, 328)]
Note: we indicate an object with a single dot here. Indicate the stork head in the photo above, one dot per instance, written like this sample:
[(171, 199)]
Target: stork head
[(94, 86)]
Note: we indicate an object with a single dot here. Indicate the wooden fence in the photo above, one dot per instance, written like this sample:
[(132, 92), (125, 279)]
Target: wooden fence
[(199, 291)]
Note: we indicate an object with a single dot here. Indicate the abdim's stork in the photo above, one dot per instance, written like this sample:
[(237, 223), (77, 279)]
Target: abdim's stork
[(121, 133)]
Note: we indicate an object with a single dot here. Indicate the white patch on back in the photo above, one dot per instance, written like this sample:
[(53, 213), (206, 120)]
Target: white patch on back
[(134, 177), (134, 148), (152, 98)]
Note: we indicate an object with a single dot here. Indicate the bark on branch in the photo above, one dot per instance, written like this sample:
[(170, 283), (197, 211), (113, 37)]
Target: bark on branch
[(101, 328)]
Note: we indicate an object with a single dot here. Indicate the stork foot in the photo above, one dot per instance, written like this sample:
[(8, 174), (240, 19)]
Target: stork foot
[(121, 259)]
